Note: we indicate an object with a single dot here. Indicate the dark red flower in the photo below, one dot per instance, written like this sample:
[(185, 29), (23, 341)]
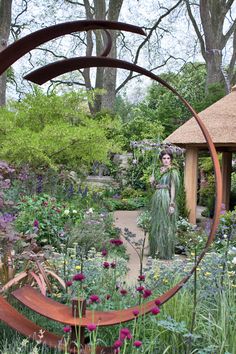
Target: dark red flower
[(140, 289), (106, 265), (136, 312), (141, 277), (158, 302), (118, 343), (147, 293), (66, 329), (36, 223), (69, 283), (123, 292), (113, 265), (79, 277), (116, 241), (94, 298), (137, 343), (104, 252), (108, 296), (155, 310)]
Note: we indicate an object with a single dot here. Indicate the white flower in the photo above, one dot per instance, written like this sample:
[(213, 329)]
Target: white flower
[(232, 250), (90, 211), (66, 212), (74, 211), (234, 260)]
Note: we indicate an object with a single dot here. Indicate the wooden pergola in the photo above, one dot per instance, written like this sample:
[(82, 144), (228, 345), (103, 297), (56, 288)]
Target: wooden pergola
[(220, 120)]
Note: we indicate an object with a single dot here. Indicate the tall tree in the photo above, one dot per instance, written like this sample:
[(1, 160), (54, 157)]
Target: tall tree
[(5, 24), (218, 25)]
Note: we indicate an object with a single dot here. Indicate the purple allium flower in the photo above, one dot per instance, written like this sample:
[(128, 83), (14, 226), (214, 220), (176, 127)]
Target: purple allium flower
[(140, 289), (94, 298), (104, 252), (118, 343), (66, 329), (116, 241), (36, 223), (113, 264), (125, 334), (137, 343), (147, 293), (155, 310), (158, 302), (106, 265), (136, 312), (91, 327), (69, 283), (79, 277), (141, 277), (123, 292)]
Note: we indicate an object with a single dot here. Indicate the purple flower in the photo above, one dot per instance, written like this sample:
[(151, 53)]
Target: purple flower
[(147, 293), (106, 265), (137, 343), (104, 252), (79, 277), (136, 312), (94, 298), (125, 334), (66, 329), (36, 223), (155, 310), (118, 343), (91, 327)]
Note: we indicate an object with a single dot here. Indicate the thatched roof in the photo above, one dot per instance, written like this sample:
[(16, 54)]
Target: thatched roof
[(220, 120)]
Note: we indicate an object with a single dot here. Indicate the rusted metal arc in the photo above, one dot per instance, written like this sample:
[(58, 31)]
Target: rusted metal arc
[(107, 50), (50, 71), (24, 45)]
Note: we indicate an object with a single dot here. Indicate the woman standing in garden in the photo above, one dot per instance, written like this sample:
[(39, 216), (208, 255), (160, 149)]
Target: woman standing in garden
[(163, 208)]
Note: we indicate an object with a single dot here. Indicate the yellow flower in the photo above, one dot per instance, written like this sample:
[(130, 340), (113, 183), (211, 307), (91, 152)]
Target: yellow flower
[(231, 273), (197, 269), (233, 285), (207, 274), (165, 281), (78, 267), (155, 276)]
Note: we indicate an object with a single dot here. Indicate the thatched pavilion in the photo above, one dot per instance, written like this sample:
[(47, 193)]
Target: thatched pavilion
[(220, 120)]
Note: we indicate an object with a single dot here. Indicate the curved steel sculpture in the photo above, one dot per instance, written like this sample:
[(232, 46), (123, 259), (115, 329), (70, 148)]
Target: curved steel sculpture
[(42, 75)]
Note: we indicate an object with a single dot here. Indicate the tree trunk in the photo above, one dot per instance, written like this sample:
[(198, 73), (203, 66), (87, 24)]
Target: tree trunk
[(5, 23)]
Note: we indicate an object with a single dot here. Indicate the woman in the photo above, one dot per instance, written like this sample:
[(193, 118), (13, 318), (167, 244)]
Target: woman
[(163, 209)]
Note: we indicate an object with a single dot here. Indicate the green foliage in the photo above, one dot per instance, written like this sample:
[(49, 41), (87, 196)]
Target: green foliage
[(52, 130)]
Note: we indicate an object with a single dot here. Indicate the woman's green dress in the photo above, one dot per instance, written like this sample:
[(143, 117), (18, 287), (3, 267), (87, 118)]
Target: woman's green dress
[(163, 224)]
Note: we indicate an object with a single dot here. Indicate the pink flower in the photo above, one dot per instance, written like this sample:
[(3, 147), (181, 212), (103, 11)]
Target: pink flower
[(113, 265), (104, 252), (91, 327), (125, 334), (158, 302), (155, 310), (79, 277), (140, 289), (66, 329), (94, 298), (69, 283), (141, 277), (106, 265), (123, 292), (136, 312), (118, 343), (147, 293), (137, 343), (116, 241)]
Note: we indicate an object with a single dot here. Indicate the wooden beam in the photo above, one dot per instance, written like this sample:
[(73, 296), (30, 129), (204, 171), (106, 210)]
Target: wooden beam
[(226, 177), (190, 181)]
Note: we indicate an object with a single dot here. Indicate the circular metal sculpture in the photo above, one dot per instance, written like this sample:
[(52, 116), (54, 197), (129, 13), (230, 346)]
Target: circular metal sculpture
[(42, 75)]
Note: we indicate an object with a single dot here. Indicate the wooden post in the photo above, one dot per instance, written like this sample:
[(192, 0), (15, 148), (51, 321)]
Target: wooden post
[(226, 177), (190, 181)]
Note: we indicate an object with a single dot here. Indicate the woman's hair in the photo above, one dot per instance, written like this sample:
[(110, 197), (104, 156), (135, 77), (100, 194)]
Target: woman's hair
[(166, 152)]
